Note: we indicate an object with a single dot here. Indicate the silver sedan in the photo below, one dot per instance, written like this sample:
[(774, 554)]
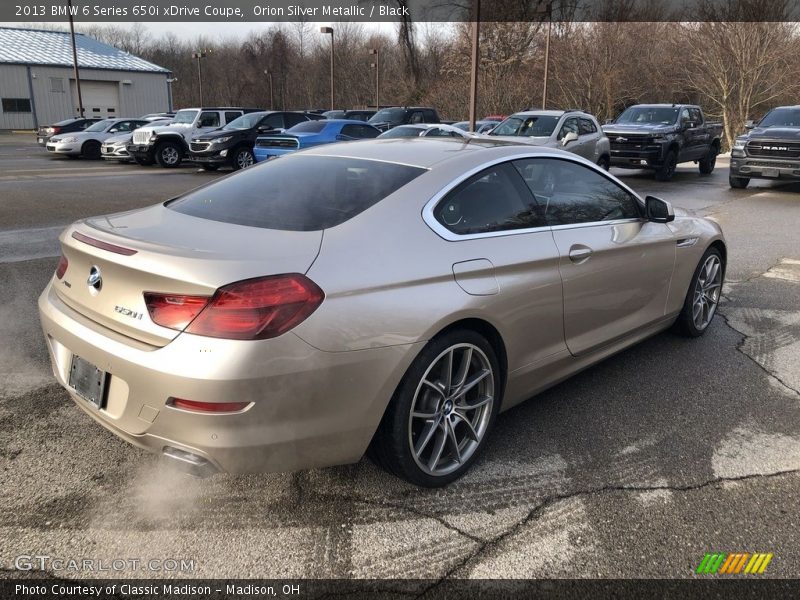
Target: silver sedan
[(88, 143), (385, 294)]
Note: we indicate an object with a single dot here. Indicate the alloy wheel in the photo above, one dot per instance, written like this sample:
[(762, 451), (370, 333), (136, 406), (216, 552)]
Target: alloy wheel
[(170, 155), (707, 292), (451, 409), (244, 159)]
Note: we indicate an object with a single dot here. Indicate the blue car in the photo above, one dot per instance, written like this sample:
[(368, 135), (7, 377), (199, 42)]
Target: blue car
[(310, 134)]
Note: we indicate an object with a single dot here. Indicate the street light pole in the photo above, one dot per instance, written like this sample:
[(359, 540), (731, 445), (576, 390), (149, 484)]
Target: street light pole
[(473, 90), (170, 81), (199, 56), (329, 30), (75, 58), (377, 65), (268, 73)]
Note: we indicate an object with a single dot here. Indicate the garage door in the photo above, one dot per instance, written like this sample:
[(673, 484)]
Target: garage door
[(100, 98)]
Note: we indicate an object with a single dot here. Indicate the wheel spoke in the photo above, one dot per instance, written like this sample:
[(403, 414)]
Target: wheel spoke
[(463, 369), (480, 376), (434, 387), (447, 375), (481, 402), (424, 415), (473, 435), (713, 269), (438, 447), (426, 435), (451, 434)]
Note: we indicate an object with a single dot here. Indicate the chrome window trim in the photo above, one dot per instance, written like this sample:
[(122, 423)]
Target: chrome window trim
[(446, 234)]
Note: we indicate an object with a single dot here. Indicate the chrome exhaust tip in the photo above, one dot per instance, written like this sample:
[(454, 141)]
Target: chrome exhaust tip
[(190, 463)]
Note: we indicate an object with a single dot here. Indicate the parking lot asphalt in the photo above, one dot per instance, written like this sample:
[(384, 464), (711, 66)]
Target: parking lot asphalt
[(634, 468)]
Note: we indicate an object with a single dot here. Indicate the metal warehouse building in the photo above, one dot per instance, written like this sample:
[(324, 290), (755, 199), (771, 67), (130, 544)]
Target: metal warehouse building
[(37, 80)]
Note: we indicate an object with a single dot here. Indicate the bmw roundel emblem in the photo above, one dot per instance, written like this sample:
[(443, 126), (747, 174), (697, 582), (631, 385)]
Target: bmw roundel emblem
[(95, 279)]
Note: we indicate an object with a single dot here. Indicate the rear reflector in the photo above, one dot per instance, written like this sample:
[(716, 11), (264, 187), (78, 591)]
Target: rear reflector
[(258, 309), (172, 310), (207, 407), (63, 263), (103, 245)]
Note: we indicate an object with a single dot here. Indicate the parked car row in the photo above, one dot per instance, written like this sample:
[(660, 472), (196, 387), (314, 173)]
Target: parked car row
[(656, 137)]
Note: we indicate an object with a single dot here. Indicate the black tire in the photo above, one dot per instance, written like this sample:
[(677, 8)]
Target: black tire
[(604, 163), (685, 323), (667, 170), (91, 150), (209, 167), (169, 154), (391, 446), (242, 158), (738, 183), (709, 161), (143, 162)]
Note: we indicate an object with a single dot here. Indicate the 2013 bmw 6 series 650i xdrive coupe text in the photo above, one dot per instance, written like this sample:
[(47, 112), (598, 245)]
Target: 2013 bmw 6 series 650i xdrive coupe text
[(392, 295)]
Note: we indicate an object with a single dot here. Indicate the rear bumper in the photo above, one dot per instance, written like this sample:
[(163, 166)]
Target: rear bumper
[(765, 168), (262, 154), (308, 408)]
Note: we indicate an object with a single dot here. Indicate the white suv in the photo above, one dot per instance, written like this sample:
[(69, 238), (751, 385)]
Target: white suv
[(169, 145)]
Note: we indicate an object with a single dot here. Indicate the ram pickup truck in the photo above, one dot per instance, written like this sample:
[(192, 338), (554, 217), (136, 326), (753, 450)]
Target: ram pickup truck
[(169, 145), (769, 150), (658, 137)]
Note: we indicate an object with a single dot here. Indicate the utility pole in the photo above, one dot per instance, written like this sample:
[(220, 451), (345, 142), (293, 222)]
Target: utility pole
[(329, 30), (549, 8), (377, 66), (75, 58), (200, 55), (473, 88)]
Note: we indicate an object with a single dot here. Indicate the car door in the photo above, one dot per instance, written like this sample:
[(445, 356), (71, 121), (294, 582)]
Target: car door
[(505, 254), (571, 125), (616, 267), (589, 137), (700, 138)]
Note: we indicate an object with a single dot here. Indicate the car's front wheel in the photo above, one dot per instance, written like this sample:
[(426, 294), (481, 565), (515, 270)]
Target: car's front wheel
[(442, 412), (667, 170), (703, 296), (738, 183), (242, 158), (91, 150)]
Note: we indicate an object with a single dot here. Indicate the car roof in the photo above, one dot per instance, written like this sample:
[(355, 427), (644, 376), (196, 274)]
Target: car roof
[(346, 122), (540, 113), (425, 152)]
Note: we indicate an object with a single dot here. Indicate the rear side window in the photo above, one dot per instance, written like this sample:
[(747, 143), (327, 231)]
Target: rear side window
[(587, 127), (297, 193), (493, 200), (230, 116), (309, 127)]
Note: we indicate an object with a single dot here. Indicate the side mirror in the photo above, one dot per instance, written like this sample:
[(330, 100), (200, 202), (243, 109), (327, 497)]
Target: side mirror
[(658, 210), (570, 137), (608, 121), (749, 124), (264, 129), (113, 130)]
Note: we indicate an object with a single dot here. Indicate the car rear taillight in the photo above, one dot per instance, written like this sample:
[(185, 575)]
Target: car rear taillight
[(174, 310), (207, 407), (258, 309), (63, 263), (54, 130)]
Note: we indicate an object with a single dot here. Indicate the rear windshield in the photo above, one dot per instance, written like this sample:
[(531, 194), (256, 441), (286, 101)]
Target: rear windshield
[(308, 127), (403, 132), (297, 193)]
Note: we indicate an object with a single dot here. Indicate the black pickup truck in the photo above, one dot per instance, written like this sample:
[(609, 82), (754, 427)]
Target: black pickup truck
[(769, 150), (387, 118), (660, 136)]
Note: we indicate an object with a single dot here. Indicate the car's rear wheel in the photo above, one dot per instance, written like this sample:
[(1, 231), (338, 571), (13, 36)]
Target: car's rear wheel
[(667, 170), (703, 296), (442, 412), (242, 158), (709, 161), (738, 183), (169, 154), (91, 150)]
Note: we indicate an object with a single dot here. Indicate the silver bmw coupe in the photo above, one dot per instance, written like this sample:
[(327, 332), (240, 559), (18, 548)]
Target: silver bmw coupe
[(391, 295)]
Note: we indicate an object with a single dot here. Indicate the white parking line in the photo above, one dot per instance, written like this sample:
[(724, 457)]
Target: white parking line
[(29, 244)]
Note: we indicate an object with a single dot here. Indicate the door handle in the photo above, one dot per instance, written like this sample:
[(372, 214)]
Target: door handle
[(579, 254)]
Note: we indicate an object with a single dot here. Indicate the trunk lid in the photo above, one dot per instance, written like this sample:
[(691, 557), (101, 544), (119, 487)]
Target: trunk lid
[(160, 250)]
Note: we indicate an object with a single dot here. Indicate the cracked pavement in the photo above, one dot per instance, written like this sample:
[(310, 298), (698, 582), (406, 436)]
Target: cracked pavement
[(634, 468)]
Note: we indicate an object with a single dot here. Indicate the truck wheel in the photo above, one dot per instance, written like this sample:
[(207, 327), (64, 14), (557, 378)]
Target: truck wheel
[(708, 162), (169, 155), (604, 163), (144, 162), (91, 150), (667, 170), (738, 182)]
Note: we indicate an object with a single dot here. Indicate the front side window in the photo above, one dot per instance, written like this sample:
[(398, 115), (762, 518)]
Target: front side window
[(101, 125), (297, 192), (209, 119), (293, 119), (493, 200), (530, 126), (388, 115), (572, 193), (569, 126)]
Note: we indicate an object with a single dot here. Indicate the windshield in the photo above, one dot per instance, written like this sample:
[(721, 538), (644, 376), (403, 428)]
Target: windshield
[(185, 116), (403, 132), (531, 126), (388, 115), (297, 193), (781, 117), (308, 127), (661, 115), (101, 125), (247, 121)]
